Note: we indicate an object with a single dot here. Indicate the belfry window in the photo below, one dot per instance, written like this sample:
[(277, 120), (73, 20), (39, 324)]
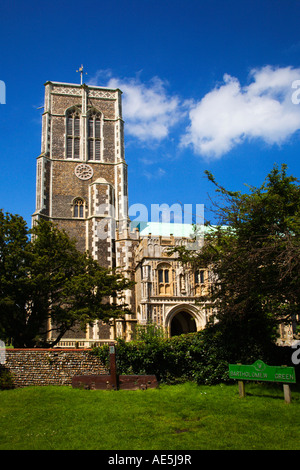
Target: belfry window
[(78, 208), (94, 136), (73, 135)]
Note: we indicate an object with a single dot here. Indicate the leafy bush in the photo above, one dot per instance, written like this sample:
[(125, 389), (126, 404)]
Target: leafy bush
[(202, 357), (148, 332), (172, 360), (6, 379)]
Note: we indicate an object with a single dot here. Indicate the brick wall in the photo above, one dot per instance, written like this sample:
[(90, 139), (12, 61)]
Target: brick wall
[(50, 366)]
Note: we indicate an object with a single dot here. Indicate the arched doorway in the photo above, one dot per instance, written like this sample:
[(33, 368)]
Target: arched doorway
[(183, 322)]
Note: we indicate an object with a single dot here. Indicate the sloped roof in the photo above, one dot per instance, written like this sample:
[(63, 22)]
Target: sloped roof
[(166, 229)]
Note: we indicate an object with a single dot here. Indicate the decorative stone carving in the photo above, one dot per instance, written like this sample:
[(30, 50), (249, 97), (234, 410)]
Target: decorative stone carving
[(102, 94)]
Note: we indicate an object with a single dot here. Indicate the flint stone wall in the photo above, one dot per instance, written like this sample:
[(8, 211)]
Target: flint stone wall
[(31, 367)]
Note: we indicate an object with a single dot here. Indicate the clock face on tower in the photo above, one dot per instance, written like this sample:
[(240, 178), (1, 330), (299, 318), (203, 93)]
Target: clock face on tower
[(83, 171)]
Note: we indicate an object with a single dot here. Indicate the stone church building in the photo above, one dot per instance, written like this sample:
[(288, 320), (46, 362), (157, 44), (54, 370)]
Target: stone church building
[(81, 185)]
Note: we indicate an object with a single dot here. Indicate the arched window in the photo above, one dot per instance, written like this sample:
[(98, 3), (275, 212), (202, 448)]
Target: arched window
[(199, 276), (199, 281), (73, 134), (78, 208), (94, 136), (164, 279)]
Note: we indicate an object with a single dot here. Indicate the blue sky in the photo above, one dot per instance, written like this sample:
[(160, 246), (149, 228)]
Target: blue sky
[(207, 85)]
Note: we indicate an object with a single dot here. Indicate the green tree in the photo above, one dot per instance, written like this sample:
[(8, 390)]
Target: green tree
[(254, 257), (47, 285), (14, 239)]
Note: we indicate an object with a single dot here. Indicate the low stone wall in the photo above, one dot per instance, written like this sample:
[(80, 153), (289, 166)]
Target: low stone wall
[(50, 366)]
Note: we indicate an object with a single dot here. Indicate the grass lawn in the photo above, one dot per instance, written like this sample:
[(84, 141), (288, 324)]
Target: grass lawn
[(177, 417)]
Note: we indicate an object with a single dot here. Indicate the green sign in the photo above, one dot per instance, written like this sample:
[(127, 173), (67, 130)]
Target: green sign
[(261, 372)]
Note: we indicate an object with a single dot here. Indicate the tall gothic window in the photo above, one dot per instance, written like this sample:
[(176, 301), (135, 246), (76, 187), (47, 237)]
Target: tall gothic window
[(94, 136), (78, 208), (73, 134), (199, 276), (164, 279), (199, 282)]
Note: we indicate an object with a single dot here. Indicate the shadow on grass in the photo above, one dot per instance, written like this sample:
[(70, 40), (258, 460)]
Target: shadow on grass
[(273, 391)]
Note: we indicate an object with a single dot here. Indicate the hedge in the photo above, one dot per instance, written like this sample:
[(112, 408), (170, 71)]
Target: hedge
[(202, 357), (177, 359)]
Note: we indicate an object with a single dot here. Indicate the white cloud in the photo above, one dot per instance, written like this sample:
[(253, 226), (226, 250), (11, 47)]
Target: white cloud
[(148, 111), (156, 173), (230, 114)]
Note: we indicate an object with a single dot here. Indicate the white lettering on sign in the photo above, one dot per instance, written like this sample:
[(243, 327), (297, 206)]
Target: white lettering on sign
[(284, 376)]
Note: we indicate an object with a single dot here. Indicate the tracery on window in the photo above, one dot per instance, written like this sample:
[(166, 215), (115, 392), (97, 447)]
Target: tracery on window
[(78, 208), (164, 279), (199, 276), (199, 281), (73, 133), (94, 135)]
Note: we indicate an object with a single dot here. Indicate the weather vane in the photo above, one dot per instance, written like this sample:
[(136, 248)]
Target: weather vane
[(81, 73)]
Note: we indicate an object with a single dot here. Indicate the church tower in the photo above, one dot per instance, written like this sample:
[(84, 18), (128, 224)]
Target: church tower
[(81, 172), (81, 183)]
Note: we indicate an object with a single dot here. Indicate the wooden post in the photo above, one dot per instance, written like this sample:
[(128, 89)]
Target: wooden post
[(113, 365), (241, 384), (287, 393)]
